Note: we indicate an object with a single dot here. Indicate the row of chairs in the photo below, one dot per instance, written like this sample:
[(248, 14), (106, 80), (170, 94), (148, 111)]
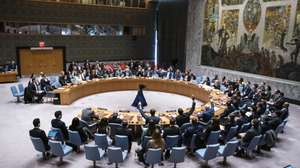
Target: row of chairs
[(213, 149), (95, 152), (118, 152)]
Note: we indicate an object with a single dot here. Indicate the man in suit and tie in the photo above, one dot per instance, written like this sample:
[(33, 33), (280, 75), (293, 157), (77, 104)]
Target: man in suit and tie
[(36, 132), (185, 117), (114, 119), (34, 90), (57, 123), (152, 116)]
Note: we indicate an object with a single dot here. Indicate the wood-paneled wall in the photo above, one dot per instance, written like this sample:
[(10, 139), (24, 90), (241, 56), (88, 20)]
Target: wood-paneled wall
[(36, 61)]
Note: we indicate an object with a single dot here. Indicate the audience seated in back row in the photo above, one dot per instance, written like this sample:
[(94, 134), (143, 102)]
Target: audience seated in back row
[(36, 132), (57, 123)]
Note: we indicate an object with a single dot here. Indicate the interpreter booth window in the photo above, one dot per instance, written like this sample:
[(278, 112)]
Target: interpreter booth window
[(72, 29)]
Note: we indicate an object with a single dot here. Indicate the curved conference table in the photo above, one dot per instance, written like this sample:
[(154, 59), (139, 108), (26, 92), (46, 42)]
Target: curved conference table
[(68, 94)]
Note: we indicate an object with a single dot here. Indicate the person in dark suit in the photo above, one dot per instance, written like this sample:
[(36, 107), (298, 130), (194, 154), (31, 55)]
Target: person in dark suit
[(152, 116), (89, 116), (102, 126), (124, 130), (228, 124), (45, 83), (243, 119), (172, 130), (251, 133), (206, 81), (148, 72), (214, 126), (34, 90), (208, 114), (275, 120), (36, 132), (62, 79), (12, 66), (185, 117), (114, 119), (196, 128), (284, 111), (75, 126), (57, 123)]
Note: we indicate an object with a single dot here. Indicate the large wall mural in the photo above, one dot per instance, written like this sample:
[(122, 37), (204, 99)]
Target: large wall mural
[(255, 36), (297, 22)]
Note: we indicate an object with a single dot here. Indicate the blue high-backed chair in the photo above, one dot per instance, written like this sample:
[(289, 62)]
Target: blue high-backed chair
[(279, 129), (39, 145), (228, 149), (122, 142), (208, 153), (232, 133), (252, 145), (172, 141), (15, 93), (101, 141), (184, 127), (213, 137), (146, 139), (93, 153), (60, 136), (193, 143), (177, 155), (115, 155), (60, 150), (284, 124), (74, 138), (21, 88), (153, 156), (245, 127), (113, 128)]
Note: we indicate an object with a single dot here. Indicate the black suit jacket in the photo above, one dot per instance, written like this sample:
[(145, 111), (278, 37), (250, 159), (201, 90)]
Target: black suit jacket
[(125, 132), (56, 123), (45, 83), (62, 80), (38, 133), (185, 117), (114, 120), (82, 134), (250, 134), (172, 130)]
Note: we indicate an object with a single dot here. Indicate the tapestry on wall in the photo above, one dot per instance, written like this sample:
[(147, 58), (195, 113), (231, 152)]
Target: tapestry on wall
[(260, 37)]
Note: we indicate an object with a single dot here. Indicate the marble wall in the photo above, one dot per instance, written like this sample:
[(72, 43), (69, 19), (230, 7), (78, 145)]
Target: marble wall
[(193, 56)]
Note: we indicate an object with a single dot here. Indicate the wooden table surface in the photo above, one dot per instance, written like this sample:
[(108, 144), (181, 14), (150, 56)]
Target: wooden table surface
[(205, 94), (8, 77)]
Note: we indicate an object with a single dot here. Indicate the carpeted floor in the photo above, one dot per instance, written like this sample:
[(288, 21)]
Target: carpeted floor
[(16, 149)]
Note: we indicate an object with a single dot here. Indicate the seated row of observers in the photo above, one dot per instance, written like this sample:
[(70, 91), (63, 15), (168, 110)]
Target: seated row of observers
[(9, 66), (77, 73), (84, 132)]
